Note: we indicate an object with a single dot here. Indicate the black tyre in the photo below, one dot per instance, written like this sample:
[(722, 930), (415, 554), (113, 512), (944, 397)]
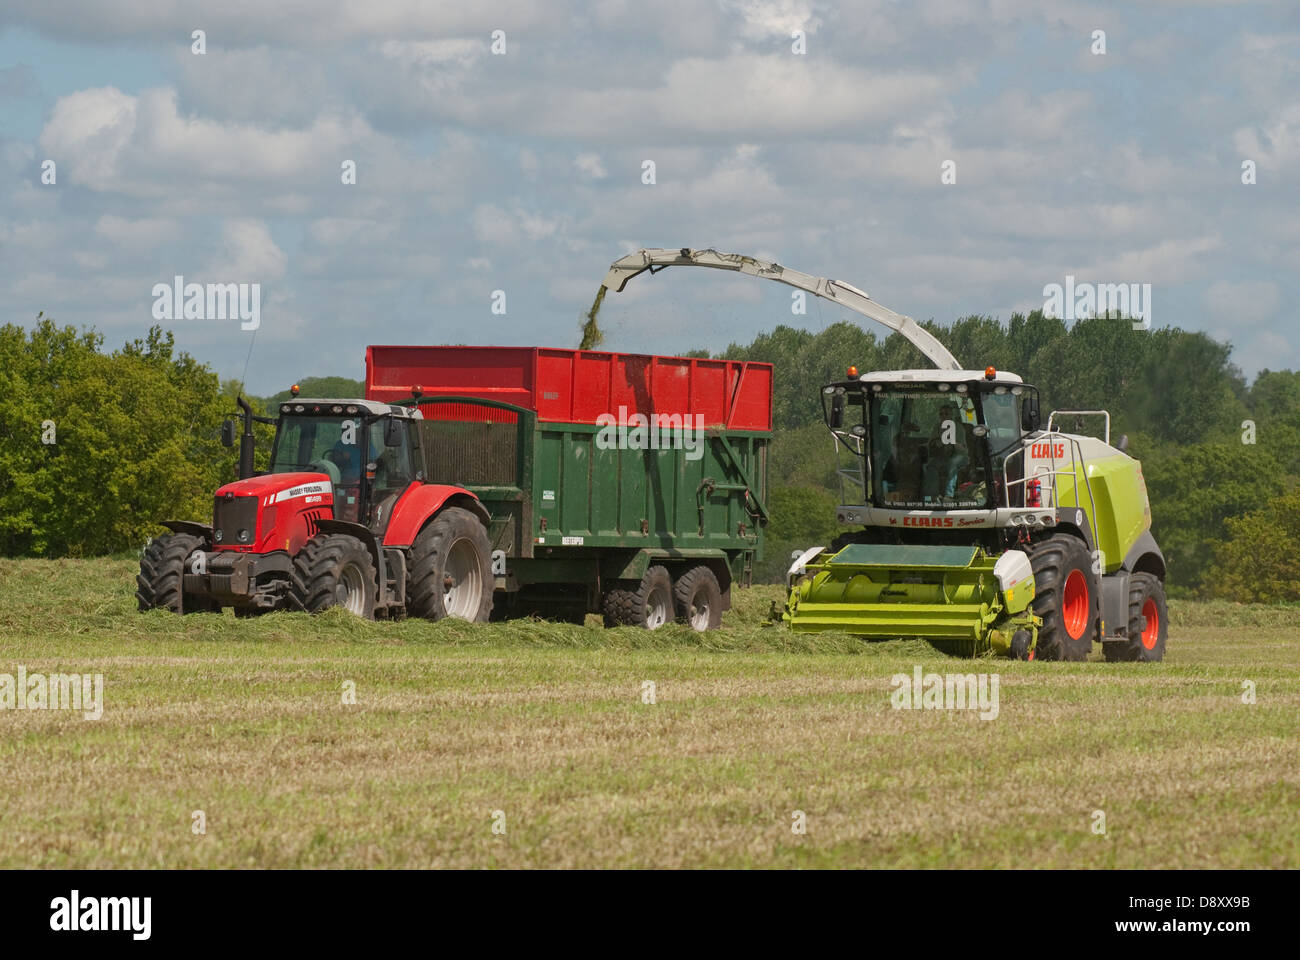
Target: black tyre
[(1068, 598), (649, 604), (451, 569), (1148, 622), (698, 599), (161, 582), (335, 570)]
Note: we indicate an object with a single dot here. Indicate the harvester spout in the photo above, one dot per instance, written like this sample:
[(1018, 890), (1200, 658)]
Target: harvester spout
[(846, 295)]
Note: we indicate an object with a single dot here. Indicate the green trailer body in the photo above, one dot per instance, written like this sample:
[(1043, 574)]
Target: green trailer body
[(581, 494)]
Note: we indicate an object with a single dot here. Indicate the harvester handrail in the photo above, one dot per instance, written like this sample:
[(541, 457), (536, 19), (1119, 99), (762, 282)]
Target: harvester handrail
[(1077, 461), (1080, 413)]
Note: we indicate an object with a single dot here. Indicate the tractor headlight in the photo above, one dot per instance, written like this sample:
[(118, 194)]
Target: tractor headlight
[(242, 535), (218, 536)]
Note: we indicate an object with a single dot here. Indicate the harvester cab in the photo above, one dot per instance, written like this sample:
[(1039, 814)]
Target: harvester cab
[(972, 524)]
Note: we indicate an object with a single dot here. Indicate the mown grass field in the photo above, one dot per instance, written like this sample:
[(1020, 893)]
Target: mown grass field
[(244, 720)]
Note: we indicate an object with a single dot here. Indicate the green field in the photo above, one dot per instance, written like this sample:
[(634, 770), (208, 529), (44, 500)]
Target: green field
[(244, 720)]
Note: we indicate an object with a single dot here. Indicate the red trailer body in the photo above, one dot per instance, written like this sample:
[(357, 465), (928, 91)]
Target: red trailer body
[(576, 386)]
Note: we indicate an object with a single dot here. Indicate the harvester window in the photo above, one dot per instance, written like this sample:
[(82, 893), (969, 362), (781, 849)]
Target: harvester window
[(925, 451)]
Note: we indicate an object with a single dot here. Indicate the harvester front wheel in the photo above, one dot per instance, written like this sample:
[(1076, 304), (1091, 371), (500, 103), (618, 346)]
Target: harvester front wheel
[(1068, 599), (335, 570), (698, 599), (160, 584), (649, 604), (1148, 622), (451, 569)]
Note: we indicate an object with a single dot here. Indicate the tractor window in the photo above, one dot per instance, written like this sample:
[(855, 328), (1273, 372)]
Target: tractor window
[(328, 445), (925, 452)]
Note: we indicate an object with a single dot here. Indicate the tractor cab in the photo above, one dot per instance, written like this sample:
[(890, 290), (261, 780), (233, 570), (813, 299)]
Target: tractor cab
[(368, 450)]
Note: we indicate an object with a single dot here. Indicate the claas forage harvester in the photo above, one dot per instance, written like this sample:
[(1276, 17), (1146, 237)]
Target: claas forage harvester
[(971, 522)]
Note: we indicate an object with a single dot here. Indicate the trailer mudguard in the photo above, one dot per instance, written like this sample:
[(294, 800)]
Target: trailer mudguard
[(421, 501)]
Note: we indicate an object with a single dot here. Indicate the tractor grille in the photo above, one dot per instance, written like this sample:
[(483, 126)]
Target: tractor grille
[(470, 453), (231, 516), (313, 517)]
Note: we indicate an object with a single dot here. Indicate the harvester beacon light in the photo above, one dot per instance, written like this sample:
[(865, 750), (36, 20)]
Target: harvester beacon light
[(294, 390), (417, 391), (989, 373), (853, 372)]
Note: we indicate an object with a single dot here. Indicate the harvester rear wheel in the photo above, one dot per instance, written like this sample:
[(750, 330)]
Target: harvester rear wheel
[(1148, 622), (160, 584), (649, 604), (1068, 599), (451, 569), (335, 570), (698, 599)]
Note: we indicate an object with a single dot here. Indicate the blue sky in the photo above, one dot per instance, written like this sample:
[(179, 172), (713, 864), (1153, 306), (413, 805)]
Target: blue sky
[(522, 172)]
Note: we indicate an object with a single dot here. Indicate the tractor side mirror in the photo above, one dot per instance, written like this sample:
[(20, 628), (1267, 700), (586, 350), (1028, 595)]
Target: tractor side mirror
[(838, 402), (394, 432), (227, 433), (1030, 417)]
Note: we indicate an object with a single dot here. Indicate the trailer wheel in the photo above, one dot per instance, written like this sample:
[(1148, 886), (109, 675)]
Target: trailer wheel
[(1148, 622), (649, 604), (335, 570), (698, 599), (160, 584), (1068, 599), (451, 569)]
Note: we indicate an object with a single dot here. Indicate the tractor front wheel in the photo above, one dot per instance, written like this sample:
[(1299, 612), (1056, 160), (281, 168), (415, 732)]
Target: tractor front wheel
[(451, 569), (1148, 622), (161, 583), (335, 570), (1068, 599)]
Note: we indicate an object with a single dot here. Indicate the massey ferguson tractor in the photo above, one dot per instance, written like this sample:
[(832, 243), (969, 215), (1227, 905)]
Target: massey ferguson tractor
[(973, 524), (342, 518)]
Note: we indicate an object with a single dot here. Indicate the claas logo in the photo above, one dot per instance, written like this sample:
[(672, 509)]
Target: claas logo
[(927, 521), (1047, 450)]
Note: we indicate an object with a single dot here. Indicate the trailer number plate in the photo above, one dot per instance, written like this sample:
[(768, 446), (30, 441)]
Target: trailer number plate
[(548, 494), (571, 541)]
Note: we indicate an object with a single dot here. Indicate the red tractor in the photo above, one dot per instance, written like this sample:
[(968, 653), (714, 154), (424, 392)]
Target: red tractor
[(344, 517)]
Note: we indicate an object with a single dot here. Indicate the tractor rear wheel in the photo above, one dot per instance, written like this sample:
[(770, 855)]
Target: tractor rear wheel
[(451, 569), (335, 570), (161, 582), (1148, 622), (698, 599), (649, 604), (1068, 599)]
